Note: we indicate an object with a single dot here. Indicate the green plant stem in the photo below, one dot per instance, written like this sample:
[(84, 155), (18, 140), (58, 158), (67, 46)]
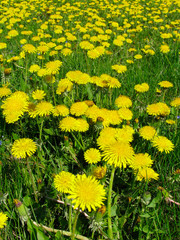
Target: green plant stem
[(110, 232), (70, 216), (61, 231), (32, 179), (74, 225), (40, 131)]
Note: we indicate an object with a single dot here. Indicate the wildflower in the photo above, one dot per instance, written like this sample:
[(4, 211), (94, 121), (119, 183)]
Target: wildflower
[(64, 181), (175, 102), (3, 45), (34, 68), (107, 137), (7, 71), (158, 109), (3, 219), (23, 147), (32, 110), (123, 102), (53, 67), (87, 192), (38, 94), (125, 113), (60, 110), (124, 134), (92, 155), (138, 56), (81, 125), (163, 144), (164, 48), (64, 85), (147, 174), (170, 121), (29, 48), (99, 172), (14, 106), (86, 45), (165, 84), (4, 91), (144, 87), (78, 108), (66, 51), (44, 108), (49, 78), (118, 154), (68, 124), (147, 132), (119, 68), (141, 160)]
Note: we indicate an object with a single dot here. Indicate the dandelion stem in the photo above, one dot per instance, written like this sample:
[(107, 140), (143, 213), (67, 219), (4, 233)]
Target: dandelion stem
[(110, 233), (74, 225), (70, 216), (77, 141), (40, 131)]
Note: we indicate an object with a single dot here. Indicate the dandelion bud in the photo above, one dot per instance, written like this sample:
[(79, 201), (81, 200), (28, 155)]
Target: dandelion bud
[(100, 172)]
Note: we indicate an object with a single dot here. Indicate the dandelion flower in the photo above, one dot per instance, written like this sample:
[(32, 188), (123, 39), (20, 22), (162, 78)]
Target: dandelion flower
[(38, 94), (81, 125), (123, 102), (159, 108), (100, 172), (64, 85), (164, 48), (147, 174), (63, 181), (125, 113), (119, 68), (87, 192), (14, 106), (144, 87), (147, 132), (165, 84), (4, 91), (23, 147), (34, 68), (141, 160), (78, 108), (163, 144), (29, 48), (170, 121), (68, 124), (175, 102), (44, 108), (138, 56), (118, 154), (53, 67), (60, 110), (107, 137), (124, 134), (92, 155), (3, 219)]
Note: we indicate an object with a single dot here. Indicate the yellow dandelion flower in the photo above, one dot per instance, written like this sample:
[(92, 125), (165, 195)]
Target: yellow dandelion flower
[(34, 68), (78, 108), (38, 94), (147, 132), (68, 124), (81, 125), (14, 106), (107, 137), (119, 68), (87, 192), (32, 110), (4, 91), (165, 84), (44, 108), (3, 219), (138, 56), (124, 134), (29, 48), (99, 172), (175, 102), (170, 121), (125, 113), (141, 160), (53, 67), (159, 108), (92, 155), (118, 154), (23, 147), (123, 102), (164, 48), (163, 144), (64, 181), (66, 51), (60, 110), (144, 87), (147, 174), (3, 45), (64, 85)]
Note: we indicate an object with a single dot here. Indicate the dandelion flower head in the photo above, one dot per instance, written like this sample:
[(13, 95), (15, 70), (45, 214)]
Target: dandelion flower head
[(3, 219), (147, 132), (23, 147), (165, 84), (147, 174), (163, 144), (159, 108), (92, 155), (123, 101), (38, 94), (175, 102), (63, 181), (141, 160), (87, 192)]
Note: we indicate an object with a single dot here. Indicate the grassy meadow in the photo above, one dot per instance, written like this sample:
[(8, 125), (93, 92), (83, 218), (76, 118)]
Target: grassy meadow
[(89, 119)]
